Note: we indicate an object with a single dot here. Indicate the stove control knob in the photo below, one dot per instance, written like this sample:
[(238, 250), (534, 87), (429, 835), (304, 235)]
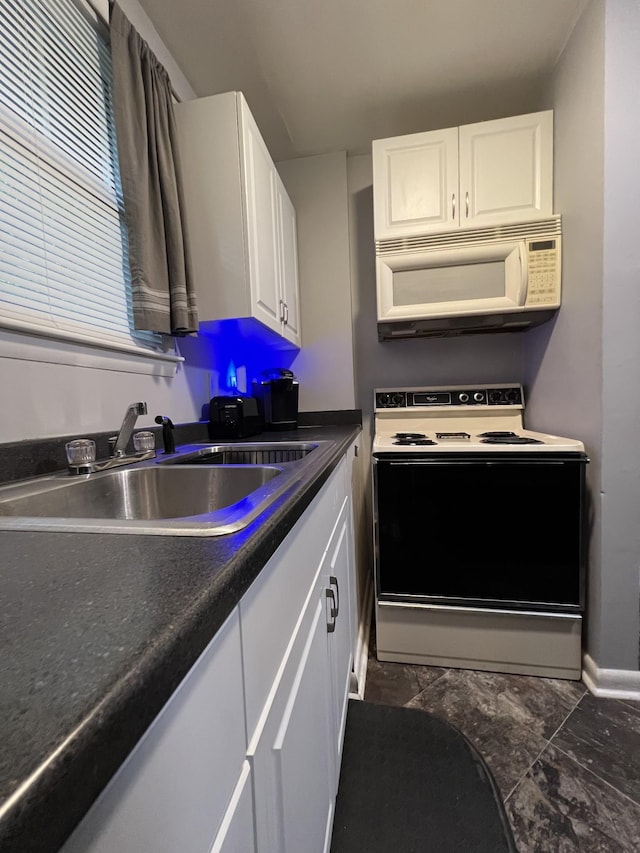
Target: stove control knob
[(398, 399), (463, 397), (512, 395), (495, 396), (384, 399), (479, 396)]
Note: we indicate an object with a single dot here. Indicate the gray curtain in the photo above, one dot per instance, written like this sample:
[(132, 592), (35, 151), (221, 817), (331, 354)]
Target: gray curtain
[(162, 289)]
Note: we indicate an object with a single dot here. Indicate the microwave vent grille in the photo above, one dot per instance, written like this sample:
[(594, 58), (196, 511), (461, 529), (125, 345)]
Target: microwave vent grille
[(471, 237)]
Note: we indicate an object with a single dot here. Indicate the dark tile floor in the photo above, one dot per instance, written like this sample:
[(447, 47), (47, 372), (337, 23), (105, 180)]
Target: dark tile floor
[(567, 764)]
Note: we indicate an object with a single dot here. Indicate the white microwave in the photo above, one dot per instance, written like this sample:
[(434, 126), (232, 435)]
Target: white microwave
[(493, 279)]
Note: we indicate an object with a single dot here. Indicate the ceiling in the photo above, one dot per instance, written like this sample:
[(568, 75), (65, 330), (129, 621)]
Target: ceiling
[(331, 75)]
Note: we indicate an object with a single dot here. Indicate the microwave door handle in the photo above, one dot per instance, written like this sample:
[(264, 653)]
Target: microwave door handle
[(524, 278)]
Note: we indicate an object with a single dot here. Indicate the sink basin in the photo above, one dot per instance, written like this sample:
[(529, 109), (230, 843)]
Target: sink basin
[(202, 490), (144, 493), (258, 453)]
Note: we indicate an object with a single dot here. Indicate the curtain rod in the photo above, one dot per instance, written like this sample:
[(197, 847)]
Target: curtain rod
[(100, 9)]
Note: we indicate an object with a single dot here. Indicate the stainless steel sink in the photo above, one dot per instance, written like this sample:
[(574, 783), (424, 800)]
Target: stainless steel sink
[(206, 490), (257, 453)]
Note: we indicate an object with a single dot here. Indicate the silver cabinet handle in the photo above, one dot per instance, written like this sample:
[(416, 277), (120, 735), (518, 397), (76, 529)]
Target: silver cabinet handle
[(331, 626), (333, 581), (282, 311), (453, 206), (467, 204), (286, 314)]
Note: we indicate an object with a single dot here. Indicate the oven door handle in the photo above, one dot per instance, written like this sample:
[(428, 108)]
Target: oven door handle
[(441, 463)]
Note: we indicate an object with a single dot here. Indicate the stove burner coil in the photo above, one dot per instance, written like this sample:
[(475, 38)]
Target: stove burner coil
[(511, 439), (409, 442), (409, 435)]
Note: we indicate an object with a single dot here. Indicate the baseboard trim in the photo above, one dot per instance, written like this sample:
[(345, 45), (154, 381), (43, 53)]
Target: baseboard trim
[(610, 683), (362, 650)]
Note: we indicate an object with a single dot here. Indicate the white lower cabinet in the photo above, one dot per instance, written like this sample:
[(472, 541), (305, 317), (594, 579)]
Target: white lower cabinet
[(245, 757), (236, 834), (290, 754), (173, 791), (339, 575), (295, 745)]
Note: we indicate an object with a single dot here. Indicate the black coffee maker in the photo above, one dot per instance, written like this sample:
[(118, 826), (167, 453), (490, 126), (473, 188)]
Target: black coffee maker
[(277, 395)]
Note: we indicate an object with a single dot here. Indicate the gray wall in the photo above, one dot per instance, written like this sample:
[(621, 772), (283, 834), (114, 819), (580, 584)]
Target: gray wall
[(564, 362), (617, 644), (318, 189), (581, 370)]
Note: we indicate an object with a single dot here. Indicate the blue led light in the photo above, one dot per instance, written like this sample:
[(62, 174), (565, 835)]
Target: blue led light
[(236, 352)]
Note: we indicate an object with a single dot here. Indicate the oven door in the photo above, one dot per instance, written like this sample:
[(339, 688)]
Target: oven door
[(480, 530)]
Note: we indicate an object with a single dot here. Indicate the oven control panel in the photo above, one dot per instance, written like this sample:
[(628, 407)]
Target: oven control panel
[(408, 398)]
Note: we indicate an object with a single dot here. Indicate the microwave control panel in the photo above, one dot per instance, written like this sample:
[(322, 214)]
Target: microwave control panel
[(543, 286)]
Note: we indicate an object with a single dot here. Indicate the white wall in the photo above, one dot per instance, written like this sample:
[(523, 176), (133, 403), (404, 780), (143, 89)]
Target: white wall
[(324, 367)]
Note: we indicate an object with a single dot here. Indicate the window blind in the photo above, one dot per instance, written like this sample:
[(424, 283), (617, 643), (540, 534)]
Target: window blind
[(63, 262)]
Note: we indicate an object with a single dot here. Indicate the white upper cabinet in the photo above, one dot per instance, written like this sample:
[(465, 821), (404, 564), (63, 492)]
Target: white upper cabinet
[(415, 183), (241, 224), (484, 174)]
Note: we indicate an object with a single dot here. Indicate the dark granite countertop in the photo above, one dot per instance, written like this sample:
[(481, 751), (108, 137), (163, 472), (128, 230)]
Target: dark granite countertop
[(97, 631)]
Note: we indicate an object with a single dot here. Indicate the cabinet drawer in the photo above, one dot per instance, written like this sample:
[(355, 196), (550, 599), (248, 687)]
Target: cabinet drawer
[(271, 608)]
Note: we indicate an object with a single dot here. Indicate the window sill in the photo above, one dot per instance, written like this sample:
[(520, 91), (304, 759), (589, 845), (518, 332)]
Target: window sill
[(117, 357)]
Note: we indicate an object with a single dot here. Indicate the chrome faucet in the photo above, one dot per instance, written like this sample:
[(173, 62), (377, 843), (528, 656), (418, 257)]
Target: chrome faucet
[(118, 455), (119, 446)]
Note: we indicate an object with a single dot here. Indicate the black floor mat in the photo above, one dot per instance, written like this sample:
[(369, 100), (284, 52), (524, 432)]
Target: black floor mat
[(411, 783)]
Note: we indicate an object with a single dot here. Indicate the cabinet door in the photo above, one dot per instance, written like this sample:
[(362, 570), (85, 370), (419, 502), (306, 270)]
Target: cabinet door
[(291, 759), (236, 834), (289, 266), (301, 750), (415, 184), (339, 569), (506, 170), (173, 791), (262, 224)]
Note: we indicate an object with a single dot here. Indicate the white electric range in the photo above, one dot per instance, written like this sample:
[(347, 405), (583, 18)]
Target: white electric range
[(458, 419), (480, 532)]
